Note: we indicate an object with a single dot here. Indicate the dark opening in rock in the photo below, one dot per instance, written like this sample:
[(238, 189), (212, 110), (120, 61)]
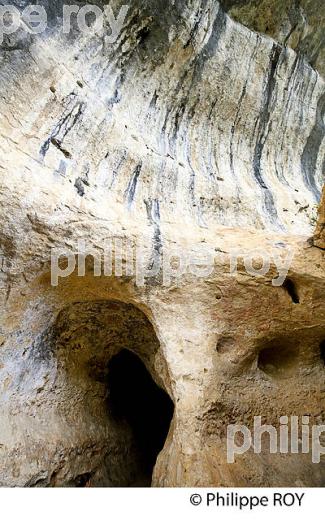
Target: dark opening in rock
[(279, 358), (291, 289), (81, 481), (135, 399)]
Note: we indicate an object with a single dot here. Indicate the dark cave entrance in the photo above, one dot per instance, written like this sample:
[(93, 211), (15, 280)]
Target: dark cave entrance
[(135, 399)]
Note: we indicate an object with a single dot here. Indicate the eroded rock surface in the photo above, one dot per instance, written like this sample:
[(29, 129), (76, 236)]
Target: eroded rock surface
[(319, 240), (190, 133), (296, 23)]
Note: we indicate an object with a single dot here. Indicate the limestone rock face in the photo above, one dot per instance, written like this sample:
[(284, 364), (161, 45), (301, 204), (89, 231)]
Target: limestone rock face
[(189, 135), (319, 240), (296, 23)]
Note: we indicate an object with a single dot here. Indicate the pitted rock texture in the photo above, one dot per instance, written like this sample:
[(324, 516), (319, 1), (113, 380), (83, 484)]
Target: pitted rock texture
[(190, 132)]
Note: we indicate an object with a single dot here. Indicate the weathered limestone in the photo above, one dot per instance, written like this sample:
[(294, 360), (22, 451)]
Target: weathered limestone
[(297, 23), (191, 133), (319, 240)]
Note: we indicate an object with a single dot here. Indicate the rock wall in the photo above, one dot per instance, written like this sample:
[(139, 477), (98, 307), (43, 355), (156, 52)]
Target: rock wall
[(319, 240), (296, 23), (217, 123), (191, 132)]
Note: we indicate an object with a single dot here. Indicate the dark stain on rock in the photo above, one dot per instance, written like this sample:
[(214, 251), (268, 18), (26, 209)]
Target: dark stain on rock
[(62, 128), (210, 48), (59, 146), (310, 154), (131, 189), (79, 185), (263, 125), (153, 212)]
